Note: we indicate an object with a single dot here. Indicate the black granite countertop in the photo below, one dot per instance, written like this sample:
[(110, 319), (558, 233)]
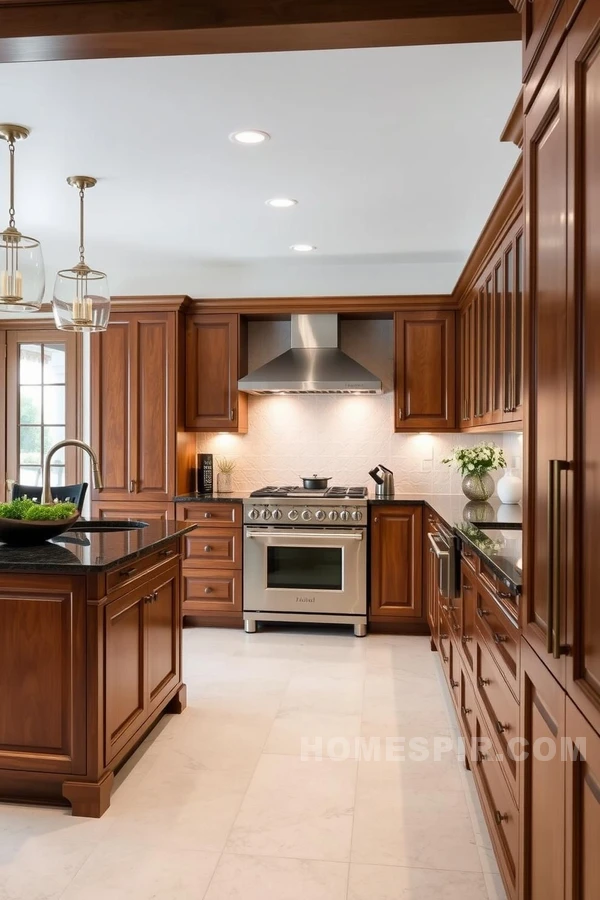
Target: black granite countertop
[(194, 497), (500, 548), (78, 552)]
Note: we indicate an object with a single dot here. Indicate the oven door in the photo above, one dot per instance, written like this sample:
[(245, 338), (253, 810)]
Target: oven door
[(305, 570)]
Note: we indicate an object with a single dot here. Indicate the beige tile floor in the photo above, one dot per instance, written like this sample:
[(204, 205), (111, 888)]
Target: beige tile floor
[(219, 804)]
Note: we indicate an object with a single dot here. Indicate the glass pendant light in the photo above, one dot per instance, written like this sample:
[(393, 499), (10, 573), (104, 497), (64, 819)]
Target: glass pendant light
[(81, 300), (22, 279)]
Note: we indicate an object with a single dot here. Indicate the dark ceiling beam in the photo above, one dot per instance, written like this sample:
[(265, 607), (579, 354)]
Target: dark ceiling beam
[(32, 30)]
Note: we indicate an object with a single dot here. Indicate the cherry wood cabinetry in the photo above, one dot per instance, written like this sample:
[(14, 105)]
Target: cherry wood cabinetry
[(135, 511), (215, 359), (582, 809), (490, 371), (425, 371), (137, 414), (87, 663), (396, 532), (212, 563)]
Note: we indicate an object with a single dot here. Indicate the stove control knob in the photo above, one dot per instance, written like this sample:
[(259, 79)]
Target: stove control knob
[(293, 514), (344, 515), (333, 515), (357, 515), (306, 515), (276, 513), (320, 515), (265, 514), (253, 513)]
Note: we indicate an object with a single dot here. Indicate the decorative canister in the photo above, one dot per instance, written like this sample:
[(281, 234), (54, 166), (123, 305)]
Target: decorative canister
[(224, 482), (510, 487)]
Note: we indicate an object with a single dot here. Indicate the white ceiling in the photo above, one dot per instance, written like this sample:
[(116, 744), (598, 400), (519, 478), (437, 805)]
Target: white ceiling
[(393, 154)]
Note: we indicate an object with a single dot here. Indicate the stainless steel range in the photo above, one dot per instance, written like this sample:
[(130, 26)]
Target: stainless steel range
[(305, 556)]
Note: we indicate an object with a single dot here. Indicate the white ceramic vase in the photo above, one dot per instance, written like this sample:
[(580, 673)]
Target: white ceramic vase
[(510, 488), (224, 482)]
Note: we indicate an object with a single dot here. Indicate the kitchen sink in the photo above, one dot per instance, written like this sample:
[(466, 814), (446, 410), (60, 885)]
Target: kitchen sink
[(107, 525)]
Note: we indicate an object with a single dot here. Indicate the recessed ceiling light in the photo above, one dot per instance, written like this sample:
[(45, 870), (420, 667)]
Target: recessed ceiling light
[(250, 136), (281, 202), (302, 248)]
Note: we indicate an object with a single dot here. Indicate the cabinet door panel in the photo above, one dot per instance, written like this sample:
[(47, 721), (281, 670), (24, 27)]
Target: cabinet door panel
[(583, 809), (163, 651), (542, 790), (583, 662), (111, 407), (548, 328), (212, 351), (43, 671), (124, 676), (396, 562), (153, 421), (425, 370)]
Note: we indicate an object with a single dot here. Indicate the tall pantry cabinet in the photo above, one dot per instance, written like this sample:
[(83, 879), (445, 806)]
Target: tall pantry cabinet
[(560, 688), (137, 424)]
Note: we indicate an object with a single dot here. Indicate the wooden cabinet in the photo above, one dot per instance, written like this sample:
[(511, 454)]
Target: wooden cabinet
[(43, 674), (543, 779), (136, 511), (491, 337), (212, 563), (425, 371), (396, 564), (136, 424), (142, 654), (582, 808), (215, 360)]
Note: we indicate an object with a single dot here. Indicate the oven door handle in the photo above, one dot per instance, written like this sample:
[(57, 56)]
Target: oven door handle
[(433, 538), (307, 535)]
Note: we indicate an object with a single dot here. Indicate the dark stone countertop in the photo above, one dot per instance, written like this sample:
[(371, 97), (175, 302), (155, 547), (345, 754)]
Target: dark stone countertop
[(193, 497), (501, 549), (78, 552)]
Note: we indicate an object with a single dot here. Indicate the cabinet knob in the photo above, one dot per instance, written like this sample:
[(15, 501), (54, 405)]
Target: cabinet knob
[(453, 683), (208, 590), (483, 682), (466, 711), (445, 658), (131, 486), (500, 638), (500, 817), (208, 515), (500, 728), (481, 756), (147, 598), (232, 414), (466, 638), (400, 412), (166, 553), (482, 612), (208, 548), (376, 519)]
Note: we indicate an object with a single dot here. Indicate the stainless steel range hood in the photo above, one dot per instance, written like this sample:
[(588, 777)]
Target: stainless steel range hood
[(313, 365)]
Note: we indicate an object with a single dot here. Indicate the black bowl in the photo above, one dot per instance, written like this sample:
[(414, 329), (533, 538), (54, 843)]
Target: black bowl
[(27, 533)]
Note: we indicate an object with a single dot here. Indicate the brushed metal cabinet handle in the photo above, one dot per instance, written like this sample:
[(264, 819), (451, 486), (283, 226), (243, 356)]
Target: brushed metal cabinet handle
[(125, 573), (554, 602)]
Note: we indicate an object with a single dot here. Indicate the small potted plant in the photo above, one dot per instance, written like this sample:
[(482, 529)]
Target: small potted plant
[(224, 475), (475, 464)]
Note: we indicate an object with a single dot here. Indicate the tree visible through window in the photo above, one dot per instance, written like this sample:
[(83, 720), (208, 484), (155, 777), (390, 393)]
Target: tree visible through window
[(41, 410)]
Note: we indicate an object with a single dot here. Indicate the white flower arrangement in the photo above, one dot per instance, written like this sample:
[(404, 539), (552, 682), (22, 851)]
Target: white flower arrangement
[(484, 457)]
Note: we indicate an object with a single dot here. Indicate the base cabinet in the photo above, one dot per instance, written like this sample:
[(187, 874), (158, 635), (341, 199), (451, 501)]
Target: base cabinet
[(87, 664), (212, 563), (136, 511), (396, 565)]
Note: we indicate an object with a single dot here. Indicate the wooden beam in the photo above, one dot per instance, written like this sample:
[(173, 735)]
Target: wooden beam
[(34, 30)]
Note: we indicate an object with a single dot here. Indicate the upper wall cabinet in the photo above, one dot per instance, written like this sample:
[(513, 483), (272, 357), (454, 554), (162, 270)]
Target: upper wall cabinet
[(135, 400), (425, 371), (215, 350), (491, 338)]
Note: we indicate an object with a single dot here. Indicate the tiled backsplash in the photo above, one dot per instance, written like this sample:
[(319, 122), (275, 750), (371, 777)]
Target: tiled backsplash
[(342, 436)]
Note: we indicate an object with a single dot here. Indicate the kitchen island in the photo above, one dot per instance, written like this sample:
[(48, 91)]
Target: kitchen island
[(90, 657)]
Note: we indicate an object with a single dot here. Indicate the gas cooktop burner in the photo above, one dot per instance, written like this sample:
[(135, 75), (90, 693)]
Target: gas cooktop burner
[(297, 491)]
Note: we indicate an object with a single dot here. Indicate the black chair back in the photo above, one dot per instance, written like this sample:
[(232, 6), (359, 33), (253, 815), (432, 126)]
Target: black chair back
[(73, 493)]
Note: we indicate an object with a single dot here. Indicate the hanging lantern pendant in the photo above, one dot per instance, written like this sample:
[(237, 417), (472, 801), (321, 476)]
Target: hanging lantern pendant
[(22, 280), (81, 300)]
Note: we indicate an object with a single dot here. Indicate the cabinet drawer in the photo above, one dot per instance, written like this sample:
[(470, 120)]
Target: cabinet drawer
[(128, 572), (500, 636), (501, 813), (502, 712), (210, 515), (467, 708), (212, 590), (214, 549)]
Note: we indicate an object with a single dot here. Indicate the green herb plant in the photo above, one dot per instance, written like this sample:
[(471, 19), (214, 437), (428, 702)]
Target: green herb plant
[(28, 510)]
